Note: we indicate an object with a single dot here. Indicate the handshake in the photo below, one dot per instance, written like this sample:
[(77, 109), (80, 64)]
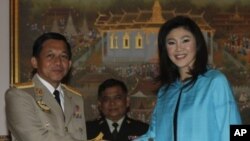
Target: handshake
[(99, 137)]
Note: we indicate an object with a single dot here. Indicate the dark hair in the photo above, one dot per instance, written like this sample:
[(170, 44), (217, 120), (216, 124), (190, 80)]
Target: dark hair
[(38, 44), (168, 70), (111, 83)]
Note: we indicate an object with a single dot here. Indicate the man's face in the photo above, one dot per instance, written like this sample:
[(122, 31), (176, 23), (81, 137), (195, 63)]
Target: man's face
[(114, 103), (53, 62)]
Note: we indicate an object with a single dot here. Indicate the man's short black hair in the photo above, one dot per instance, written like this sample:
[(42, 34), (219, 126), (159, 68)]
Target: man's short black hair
[(111, 83), (38, 44)]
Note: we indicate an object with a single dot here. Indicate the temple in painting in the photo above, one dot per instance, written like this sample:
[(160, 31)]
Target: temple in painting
[(235, 22), (131, 37)]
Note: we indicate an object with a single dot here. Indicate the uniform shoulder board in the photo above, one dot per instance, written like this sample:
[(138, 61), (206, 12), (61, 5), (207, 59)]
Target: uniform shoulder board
[(128, 121), (72, 89), (100, 121), (23, 85)]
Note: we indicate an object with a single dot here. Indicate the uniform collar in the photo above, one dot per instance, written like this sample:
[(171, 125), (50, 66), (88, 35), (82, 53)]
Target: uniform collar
[(119, 122)]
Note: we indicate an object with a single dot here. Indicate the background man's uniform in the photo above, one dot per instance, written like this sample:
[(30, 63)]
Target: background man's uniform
[(129, 129)]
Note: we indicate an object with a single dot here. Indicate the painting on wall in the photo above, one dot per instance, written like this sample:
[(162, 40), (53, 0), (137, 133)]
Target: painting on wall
[(118, 39)]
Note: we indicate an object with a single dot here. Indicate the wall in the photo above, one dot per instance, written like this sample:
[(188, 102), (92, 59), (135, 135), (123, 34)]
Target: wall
[(4, 62)]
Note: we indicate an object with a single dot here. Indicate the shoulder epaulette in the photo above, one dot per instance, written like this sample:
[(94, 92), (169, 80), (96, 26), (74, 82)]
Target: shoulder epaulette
[(72, 89), (100, 121), (23, 85), (128, 121)]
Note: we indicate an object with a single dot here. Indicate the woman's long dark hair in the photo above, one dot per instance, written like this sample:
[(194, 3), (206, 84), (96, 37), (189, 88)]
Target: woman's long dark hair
[(168, 70)]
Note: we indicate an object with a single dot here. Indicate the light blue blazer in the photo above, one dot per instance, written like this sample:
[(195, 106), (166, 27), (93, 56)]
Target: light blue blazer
[(206, 111)]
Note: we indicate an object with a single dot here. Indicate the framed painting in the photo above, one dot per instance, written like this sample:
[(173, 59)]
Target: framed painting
[(100, 33)]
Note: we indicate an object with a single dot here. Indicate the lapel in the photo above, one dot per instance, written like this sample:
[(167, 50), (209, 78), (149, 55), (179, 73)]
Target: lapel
[(124, 130), (68, 106), (105, 129), (48, 99)]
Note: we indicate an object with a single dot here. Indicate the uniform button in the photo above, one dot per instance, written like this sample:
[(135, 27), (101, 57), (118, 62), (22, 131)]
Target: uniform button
[(66, 129)]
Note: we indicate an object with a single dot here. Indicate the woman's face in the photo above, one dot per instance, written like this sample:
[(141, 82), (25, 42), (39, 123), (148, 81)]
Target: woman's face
[(181, 48)]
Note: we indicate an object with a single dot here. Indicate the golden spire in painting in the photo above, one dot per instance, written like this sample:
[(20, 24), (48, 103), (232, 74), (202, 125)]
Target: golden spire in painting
[(157, 13)]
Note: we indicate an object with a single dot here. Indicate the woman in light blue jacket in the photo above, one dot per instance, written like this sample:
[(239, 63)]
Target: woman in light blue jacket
[(195, 102)]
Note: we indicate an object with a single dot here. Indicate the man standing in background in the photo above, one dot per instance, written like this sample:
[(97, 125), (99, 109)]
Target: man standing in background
[(113, 102)]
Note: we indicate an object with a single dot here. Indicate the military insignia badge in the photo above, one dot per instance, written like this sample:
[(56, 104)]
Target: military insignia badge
[(39, 101), (43, 106), (77, 113), (128, 121), (39, 92), (132, 137)]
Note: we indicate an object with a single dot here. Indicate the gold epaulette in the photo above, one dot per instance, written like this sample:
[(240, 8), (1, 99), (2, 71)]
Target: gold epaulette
[(23, 85), (72, 89)]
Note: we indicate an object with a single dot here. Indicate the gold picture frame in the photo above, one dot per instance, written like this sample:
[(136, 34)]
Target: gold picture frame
[(14, 41), (237, 14)]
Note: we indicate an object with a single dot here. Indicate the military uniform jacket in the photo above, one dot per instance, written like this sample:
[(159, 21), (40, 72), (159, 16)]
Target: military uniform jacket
[(129, 129), (33, 114)]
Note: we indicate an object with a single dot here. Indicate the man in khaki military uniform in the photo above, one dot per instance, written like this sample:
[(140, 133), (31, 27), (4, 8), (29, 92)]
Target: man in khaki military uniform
[(33, 112)]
